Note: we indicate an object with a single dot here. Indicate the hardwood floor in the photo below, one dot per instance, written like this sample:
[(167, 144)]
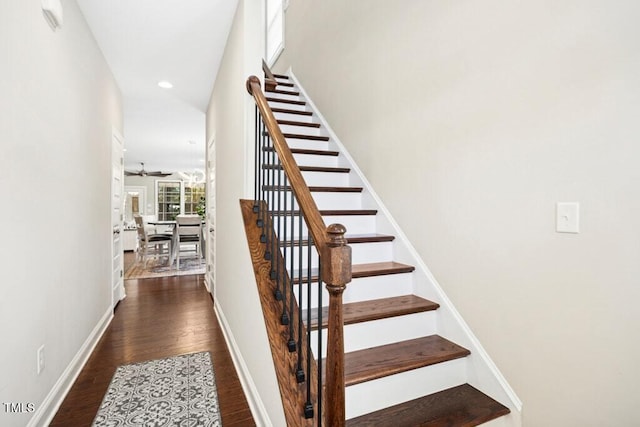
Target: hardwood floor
[(160, 317)]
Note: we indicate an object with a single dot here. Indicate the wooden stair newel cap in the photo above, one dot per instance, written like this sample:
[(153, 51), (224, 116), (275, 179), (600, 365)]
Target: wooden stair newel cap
[(251, 80), (336, 262)]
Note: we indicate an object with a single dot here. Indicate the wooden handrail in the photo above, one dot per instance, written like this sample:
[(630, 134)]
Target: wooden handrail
[(335, 256), (308, 206)]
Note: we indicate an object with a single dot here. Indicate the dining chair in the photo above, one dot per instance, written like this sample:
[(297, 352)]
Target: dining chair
[(151, 245), (188, 237)]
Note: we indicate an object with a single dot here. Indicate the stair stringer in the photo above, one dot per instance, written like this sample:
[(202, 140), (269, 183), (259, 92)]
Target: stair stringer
[(482, 372)]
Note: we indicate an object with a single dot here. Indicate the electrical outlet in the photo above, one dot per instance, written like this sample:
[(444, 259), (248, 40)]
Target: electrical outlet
[(40, 359)]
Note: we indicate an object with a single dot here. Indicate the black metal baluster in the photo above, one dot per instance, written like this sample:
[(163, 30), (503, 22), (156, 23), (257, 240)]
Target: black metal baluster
[(301, 304), (269, 200), (256, 169), (285, 318), (291, 343), (308, 407), (319, 398), (275, 272), (263, 157)]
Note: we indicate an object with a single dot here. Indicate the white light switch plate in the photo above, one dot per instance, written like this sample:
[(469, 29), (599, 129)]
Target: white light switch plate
[(568, 217)]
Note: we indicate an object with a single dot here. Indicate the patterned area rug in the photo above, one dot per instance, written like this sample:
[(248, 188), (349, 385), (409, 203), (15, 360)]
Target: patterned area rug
[(177, 391), (157, 268)]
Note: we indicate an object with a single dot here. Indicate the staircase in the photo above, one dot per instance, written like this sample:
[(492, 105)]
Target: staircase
[(402, 366)]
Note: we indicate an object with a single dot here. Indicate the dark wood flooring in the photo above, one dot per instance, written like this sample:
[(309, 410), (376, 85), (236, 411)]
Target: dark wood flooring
[(160, 317)]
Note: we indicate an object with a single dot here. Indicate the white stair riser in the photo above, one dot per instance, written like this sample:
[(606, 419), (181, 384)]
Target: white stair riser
[(295, 229), (324, 200), (302, 130), (287, 105), (376, 287), (364, 288), (294, 117), (307, 144), (355, 224), (283, 95), (361, 253), (333, 201), (379, 332), (315, 160), (327, 179), (388, 391)]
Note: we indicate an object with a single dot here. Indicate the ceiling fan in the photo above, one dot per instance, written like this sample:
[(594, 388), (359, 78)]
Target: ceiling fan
[(143, 172)]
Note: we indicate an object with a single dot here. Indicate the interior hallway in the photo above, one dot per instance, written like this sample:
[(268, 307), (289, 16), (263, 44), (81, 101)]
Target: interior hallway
[(160, 317)]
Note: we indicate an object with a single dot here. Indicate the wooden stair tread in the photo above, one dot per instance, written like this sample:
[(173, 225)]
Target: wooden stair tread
[(330, 169), (351, 239), (462, 405), (377, 362), (283, 92), (295, 123), (285, 101), (302, 136), (362, 270), (337, 212), (347, 212), (364, 311), (290, 111), (281, 76), (324, 169), (312, 168), (315, 189), (380, 269), (287, 84), (308, 151), (369, 238)]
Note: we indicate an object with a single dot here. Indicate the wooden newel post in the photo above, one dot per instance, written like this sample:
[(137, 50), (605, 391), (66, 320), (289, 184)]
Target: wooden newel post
[(336, 273), (270, 82)]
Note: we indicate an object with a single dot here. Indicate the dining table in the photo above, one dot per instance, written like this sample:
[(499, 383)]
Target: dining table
[(174, 246)]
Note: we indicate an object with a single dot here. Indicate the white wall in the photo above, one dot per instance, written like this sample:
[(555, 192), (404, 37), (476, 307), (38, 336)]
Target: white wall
[(471, 120), (229, 121), (58, 104)]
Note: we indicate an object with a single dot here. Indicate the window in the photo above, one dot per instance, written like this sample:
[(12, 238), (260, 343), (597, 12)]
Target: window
[(169, 199), (193, 198), (274, 29), (178, 197)]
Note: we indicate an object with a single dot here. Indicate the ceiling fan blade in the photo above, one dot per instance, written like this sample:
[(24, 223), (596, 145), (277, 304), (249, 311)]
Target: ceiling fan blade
[(129, 173), (158, 173)]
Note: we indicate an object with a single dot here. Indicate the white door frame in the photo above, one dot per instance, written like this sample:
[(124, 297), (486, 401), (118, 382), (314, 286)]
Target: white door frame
[(117, 217), (210, 231)]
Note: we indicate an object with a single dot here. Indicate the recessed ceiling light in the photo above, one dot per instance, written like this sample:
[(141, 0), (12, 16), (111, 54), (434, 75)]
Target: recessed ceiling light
[(165, 84)]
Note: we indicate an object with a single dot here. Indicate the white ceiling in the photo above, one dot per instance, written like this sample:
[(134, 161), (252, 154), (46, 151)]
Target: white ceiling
[(146, 41)]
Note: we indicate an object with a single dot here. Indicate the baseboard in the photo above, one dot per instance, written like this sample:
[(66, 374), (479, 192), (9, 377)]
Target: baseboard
[(256, 406), (53, 400)]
